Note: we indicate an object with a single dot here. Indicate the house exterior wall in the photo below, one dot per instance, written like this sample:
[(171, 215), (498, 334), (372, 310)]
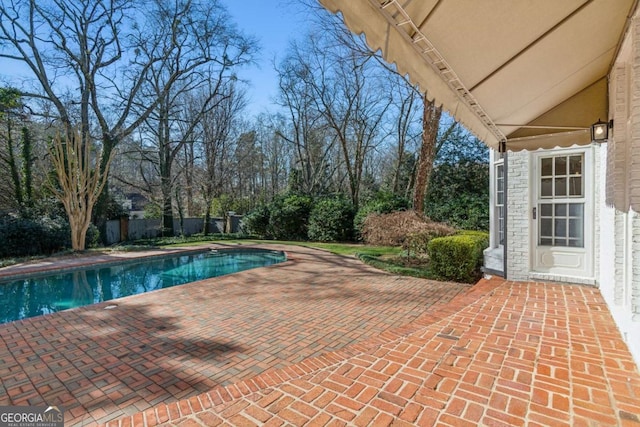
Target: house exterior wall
[(518, 216), (619, 278), (615, 170)]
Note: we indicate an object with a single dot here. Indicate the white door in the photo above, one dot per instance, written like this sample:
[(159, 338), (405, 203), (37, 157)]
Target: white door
[(562, 216)]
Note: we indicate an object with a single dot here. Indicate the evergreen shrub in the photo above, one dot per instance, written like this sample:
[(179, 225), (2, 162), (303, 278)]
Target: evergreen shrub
[(289, 217), (458, 257), (331, 220), (256, 222), (33, 236)]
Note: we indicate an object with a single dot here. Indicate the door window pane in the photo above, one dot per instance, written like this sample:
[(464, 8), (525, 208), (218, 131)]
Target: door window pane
[(561, 180), (575, 186), (575, 228), (560, 227), (547, 167), (561, 166), (576, 210), (561, 224), (575, 165), (546, 189), (561, 187)]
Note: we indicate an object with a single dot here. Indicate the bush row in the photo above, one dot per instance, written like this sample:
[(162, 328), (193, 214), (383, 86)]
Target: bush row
[(37, 236), (327, 219), (297, 217)]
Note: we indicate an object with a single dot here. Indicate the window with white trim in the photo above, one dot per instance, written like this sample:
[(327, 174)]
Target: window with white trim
[(498, 208)]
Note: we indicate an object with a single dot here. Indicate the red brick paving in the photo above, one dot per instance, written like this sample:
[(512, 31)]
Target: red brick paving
[(503, 354), (249, 331)]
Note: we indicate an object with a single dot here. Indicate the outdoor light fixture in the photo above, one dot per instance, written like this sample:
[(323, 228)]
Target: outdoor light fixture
[(599, 131), (502, 146)]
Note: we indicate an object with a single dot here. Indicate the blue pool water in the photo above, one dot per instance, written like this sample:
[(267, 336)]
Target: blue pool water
[(37, 295)]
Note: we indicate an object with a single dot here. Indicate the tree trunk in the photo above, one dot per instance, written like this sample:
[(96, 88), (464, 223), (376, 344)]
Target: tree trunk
[(428, 150), (167, 208), (27, 160), (207, 220)]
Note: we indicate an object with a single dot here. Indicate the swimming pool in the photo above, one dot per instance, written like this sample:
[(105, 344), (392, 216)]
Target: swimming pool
[(42, 294)]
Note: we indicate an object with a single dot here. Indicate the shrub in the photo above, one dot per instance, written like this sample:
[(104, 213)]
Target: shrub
[(38, 236), (383, 203), (458, 257), (418, 242), (394, 229), (331, 220), (256, 222), (482, 236), (289, 217), (92, 239)]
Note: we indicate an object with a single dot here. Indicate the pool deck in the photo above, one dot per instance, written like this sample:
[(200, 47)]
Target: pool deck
[(325, 340)]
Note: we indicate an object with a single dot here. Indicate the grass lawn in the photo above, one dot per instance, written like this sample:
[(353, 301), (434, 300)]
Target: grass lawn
[(387, 258)]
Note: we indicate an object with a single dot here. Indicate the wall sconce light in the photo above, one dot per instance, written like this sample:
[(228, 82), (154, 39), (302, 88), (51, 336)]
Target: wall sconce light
[(600, 131), (502, 146)]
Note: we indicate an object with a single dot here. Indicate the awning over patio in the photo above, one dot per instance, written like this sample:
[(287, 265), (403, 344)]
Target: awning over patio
[(533, 73)]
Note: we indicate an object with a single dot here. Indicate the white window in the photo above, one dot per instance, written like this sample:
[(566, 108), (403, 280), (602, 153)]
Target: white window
[(499, 204)]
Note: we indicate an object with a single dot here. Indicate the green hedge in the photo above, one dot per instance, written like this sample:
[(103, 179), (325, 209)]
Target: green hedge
[(38, 236), (331, 220), (458, 257)]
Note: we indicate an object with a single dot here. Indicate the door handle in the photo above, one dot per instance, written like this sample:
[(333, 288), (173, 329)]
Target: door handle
[(535, 211)]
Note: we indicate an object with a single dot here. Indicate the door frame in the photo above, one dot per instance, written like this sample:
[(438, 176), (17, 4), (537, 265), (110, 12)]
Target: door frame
[(541, 255)]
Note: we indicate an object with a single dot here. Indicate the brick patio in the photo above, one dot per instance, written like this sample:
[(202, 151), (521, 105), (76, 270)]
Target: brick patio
[(181, 342), (503, 354)]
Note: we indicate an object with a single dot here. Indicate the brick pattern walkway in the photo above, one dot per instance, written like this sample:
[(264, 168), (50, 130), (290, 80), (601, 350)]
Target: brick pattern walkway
[(503, 354), (180, 342)]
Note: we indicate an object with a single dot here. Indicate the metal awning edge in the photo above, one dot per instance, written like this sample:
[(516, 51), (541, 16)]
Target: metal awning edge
[(365, 17)]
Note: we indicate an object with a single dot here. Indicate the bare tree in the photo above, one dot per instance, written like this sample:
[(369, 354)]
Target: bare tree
[(428, 151), (347, 94), (79, 182), (91, 58), (75, 44), (331, 24), (306, 131), (276, 150), (199, 49), (215, 145)]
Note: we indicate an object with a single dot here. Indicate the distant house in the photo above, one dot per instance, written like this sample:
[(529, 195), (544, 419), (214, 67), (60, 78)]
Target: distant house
[(530, 81), (133, 204)]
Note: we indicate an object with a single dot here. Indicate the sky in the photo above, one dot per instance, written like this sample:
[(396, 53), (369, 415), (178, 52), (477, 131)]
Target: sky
[(274, 23)]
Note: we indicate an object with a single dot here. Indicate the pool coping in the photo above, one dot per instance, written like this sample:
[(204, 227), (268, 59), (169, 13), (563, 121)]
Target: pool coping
[(31, 270), (113, 302)]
